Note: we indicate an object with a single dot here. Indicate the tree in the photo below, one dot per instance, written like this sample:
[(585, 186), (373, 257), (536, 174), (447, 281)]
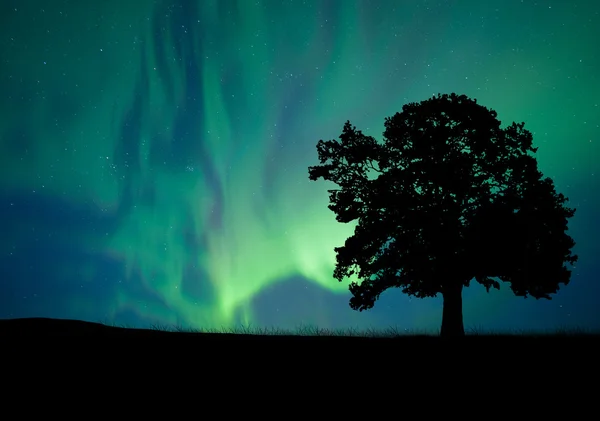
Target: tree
[(448, 197)]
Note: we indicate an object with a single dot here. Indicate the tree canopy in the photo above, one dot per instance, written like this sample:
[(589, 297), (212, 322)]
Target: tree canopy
[(448, 197)]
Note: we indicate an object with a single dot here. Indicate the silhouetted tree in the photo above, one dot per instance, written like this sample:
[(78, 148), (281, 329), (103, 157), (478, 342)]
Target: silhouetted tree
[(448, 197)]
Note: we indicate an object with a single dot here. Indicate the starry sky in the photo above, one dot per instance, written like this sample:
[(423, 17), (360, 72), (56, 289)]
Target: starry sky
[(154, 154)]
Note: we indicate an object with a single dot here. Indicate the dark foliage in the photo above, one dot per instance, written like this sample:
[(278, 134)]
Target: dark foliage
[(448, 196)]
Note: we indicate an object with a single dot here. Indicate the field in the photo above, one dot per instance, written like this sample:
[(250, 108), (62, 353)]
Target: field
[(341, 357), (37, 327)]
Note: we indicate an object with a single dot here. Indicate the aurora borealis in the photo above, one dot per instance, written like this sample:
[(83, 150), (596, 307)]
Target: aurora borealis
[(154, 154)]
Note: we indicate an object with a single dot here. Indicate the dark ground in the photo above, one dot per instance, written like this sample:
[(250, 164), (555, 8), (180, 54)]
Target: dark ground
[(64, 328), (105, 358)]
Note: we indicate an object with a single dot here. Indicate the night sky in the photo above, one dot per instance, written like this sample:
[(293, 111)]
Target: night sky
[(154, 154)]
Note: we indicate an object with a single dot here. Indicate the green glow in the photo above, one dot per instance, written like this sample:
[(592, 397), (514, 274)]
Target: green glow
[(223, 202)]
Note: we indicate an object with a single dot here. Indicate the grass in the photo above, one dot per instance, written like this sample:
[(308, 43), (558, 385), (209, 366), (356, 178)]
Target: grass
[(303, 331), (45, 327), (307, 349), (390, 332), (337, 360)]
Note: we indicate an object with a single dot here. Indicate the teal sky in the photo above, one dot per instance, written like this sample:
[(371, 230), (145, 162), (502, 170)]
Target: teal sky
[(154, 154)]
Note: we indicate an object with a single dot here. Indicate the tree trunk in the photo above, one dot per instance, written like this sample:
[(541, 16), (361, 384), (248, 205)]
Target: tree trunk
[(452, 315)]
